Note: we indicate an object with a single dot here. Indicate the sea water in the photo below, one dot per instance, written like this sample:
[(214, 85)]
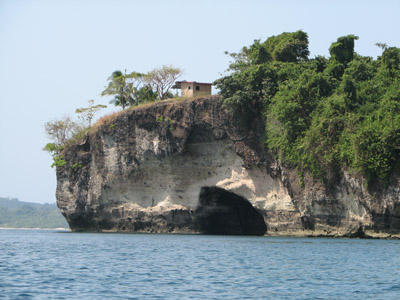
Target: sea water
[(43, 264)]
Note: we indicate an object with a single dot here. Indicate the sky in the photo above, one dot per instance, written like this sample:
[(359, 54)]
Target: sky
[(55, 55)]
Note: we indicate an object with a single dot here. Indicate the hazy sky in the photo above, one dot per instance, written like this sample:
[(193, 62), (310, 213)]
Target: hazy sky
[(55, 55)]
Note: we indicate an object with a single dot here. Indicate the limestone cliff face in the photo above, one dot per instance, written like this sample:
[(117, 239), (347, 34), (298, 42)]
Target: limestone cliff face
[(185, 166)]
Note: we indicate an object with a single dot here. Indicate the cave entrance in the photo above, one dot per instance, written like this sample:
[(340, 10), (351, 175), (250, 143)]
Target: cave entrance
[(223, 212)]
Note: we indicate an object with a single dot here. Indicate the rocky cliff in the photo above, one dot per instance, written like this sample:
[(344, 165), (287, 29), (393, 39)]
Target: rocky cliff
[(186, 166)]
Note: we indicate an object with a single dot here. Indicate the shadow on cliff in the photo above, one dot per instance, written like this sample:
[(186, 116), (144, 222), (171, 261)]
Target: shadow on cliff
[(223, 212)]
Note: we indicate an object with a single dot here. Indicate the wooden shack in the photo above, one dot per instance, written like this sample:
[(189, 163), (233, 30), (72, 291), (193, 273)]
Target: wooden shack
[(193, 88)]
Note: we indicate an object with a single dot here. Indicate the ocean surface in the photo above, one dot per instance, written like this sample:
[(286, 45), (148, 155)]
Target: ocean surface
[(46, 264)]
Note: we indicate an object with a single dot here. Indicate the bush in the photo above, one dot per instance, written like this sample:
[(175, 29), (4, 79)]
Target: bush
[(321, 115)]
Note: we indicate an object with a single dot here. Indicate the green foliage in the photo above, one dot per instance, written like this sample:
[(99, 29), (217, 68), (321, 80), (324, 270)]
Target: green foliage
[(86, 114), (162, 119), (124, 87), (146, 94), (76, 166), (61, 130), (376, 141), (18, 214), (135, 88), (343, 49), (65, 132), (55, 150), (320, 148), (383, 46), (288, 46), (391, 61), (258, 53), (321, 115), (335, 69), (245, 92), (58, 161)]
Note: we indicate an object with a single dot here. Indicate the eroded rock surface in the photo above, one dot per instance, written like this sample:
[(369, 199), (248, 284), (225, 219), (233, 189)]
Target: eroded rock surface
[(149, 170)]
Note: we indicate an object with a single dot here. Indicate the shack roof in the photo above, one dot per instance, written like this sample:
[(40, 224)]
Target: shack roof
[(178, 84)]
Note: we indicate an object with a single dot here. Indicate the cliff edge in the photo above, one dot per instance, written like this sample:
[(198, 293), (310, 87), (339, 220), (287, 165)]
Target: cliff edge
[(186, 166)]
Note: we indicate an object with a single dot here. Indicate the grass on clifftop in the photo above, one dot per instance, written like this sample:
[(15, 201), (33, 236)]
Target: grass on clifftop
[(106, 120), (109, 118)]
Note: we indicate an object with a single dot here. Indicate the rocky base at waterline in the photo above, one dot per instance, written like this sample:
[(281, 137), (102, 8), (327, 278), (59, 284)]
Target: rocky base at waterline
[(185, 166)]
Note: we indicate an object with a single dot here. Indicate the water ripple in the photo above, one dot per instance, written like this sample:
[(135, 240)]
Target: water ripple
[(60, 265)]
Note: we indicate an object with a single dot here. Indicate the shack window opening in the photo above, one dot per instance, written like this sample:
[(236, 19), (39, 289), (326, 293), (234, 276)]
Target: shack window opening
[(189, 87), (197, 88)]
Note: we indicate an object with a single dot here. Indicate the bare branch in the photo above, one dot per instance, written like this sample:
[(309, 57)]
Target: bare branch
[(162, 79)]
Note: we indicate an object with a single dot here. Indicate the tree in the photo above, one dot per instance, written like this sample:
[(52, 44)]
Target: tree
[(383, 46), (117, 87), (288, 46), (321, 116), (391, 61), (60, 131), (162, 79), (136, 83), (255, 54), (124, 88), (343, 49), (146, 94), (86, 114)]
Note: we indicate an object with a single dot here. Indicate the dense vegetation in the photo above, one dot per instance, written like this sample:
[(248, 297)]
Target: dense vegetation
[(322, 115), (18, 214), (136, 88)]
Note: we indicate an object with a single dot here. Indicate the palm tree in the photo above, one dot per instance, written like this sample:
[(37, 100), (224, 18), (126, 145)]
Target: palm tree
[(119, 87)]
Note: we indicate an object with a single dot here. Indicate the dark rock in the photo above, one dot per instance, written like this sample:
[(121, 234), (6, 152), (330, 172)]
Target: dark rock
[(223, 212)]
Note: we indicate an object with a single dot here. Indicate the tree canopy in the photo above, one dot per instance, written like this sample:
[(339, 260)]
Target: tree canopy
[(162, 79), (65, 130), (124, 87), (86, 114), (135, 88), (322, 115), (61, 130)]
